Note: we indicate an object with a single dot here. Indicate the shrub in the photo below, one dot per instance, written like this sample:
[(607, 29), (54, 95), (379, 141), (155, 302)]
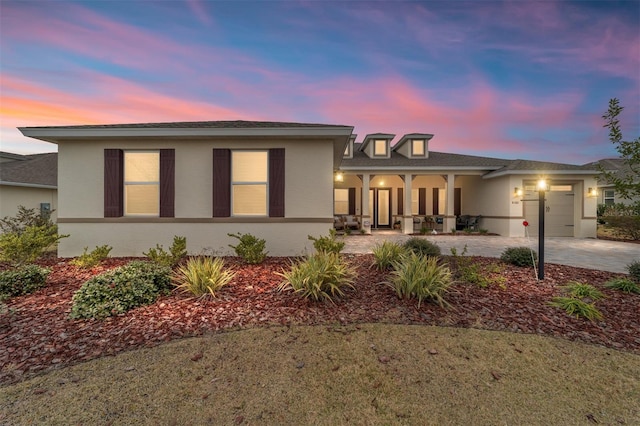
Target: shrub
[(202, 276), (422, 247), (250, 248), (387, 254), (421, 277), (22, 280), (89, 260), (321, 276), (519, 256), (623, 284), (634, 270), (483, 231), (578, 290), (119, 290), (327, 244), (577, 307), (177, 252), (624, 226), (24, 219), (26, 246)]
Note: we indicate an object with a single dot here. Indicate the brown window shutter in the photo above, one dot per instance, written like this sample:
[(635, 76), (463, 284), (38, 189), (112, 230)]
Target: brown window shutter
[(221, 183), (113, 182), (457, 198), (436, 200), (167, 182), (276, 182), (400, 201), (422, 201), (352, 201)]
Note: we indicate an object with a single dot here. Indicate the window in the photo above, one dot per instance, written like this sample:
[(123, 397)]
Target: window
[(139, 183), (417, 148), (347, 150), (415, 198), (340, 201), (380, 148), (609, 196), (249, 183)]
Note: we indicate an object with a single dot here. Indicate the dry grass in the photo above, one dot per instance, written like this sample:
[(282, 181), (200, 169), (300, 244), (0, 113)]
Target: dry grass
[(365, 375)]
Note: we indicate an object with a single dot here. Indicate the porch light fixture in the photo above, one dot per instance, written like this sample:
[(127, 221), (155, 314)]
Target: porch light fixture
[(592, 192), (517, 192), (339, 177), (542, 188)]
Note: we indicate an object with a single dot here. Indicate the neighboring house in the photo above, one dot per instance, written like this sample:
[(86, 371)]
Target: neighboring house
[(606, 192), (134, 185), (30, 181)]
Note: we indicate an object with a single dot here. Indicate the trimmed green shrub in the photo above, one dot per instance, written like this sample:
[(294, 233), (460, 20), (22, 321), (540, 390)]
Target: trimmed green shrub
[(422, 247), (634, 270), (327, 244), (387, 254), (250, 248), (28, 245), (623, 284), (89, 260), (24, 219), (519, 256), (321, 276), (119, 290), (202, 276), (421, 277), (22, 280), (578, 290), (577, 307), (177, 252)]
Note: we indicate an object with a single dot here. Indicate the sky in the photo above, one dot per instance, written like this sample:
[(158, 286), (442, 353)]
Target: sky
[(507, 79)]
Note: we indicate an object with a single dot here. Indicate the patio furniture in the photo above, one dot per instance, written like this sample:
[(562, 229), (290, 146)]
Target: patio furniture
[(351, 222), (462, 222), (338, 223)]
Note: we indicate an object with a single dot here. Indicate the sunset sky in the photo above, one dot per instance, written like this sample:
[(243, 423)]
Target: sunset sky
[(515, 79)]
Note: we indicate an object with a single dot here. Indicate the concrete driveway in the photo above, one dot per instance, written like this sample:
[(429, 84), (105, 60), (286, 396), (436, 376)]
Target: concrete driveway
[(581, 252)]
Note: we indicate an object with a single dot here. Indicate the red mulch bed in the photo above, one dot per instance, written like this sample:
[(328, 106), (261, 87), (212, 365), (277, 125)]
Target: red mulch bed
[(39, 335)]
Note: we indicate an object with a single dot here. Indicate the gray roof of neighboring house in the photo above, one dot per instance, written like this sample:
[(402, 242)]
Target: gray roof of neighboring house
[(614, 165), (40, 170), (235, 124)]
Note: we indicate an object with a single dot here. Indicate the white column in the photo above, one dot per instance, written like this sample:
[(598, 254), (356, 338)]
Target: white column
[(366, 214), (450, 219), (407, 219)]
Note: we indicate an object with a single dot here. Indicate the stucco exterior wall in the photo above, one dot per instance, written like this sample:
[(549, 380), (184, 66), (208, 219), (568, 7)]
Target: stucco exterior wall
[(13, 196), (308, 198)]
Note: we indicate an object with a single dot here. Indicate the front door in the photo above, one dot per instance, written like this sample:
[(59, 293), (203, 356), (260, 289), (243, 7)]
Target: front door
[(380, 207)]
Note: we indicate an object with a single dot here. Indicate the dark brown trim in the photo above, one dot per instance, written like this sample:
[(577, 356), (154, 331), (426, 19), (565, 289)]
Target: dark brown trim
[(400, 202), (276, 182), (221, 183), (352, 201), (436, 201), (167, 182), (113, 182), (422, 201), (457, 201)]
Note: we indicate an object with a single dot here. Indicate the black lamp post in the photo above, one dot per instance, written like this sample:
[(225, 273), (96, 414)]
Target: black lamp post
[(542, 187)]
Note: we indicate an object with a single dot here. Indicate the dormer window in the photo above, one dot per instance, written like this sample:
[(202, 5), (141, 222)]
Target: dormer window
[(347, 151), (417, 148), (380, 148)]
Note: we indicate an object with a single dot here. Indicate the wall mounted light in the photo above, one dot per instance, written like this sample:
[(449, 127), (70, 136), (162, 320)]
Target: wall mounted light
[(339, 177), (592, 192), (517, 192)]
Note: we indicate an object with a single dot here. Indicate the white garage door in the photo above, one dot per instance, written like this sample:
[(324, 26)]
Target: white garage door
[(559, 208)]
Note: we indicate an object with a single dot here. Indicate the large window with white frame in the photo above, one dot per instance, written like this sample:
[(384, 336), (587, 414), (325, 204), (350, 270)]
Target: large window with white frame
[(417, 148), (249, 183), (340, 201), (141, 183), (609, 196), (380, 148)]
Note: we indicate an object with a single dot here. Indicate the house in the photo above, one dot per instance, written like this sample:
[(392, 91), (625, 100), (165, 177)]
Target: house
[(29, 181), (606, 192), (134, 185)]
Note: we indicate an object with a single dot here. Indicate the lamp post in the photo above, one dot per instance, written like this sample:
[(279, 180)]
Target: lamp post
[(542, 187)]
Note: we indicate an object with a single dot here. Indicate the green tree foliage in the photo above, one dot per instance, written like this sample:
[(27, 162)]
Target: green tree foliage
[(627, 185)]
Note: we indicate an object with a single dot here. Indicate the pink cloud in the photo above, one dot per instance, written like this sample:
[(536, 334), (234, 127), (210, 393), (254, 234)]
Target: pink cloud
[(199, 9)]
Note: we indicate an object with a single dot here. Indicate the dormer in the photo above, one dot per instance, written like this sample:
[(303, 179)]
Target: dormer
[(377, 145), (413, 145), (348, 149)]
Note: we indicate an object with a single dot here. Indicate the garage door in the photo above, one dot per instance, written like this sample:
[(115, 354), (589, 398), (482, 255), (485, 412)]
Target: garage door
[(559, 209)]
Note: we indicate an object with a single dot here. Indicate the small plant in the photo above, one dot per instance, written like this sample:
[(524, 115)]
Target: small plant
[(634, 270), (202, 276), (467, 230), (177, 252), (250, 248), (362, 231), (454, 231), (327, 244), (347, 231), (24, 219), (22, 280), (89, 260), (519, 256), (387, 254), (421, 277), (422, 247), (623, 284), (577, 307), (578, 290), (424, 230), (321, 276), (119, 290), (26, 246), (483, 231)]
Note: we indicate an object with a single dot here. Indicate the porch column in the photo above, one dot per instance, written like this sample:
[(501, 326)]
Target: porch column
[(366, 214), (407, 217), (449, 218)]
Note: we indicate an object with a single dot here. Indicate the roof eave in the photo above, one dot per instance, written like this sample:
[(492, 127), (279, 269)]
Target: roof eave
[(28, 185), (540, 172)]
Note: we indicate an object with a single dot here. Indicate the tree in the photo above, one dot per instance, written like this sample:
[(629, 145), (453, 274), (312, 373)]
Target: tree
[(626, 182)]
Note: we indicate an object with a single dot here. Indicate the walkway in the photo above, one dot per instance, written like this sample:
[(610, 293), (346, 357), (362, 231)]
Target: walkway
[(581, 252)]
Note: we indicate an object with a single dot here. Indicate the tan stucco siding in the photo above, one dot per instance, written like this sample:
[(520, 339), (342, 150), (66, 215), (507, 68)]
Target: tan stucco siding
[(13, 196)]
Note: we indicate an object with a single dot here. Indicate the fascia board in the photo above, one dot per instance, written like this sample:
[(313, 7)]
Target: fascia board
[(539, 173), (27, 185)]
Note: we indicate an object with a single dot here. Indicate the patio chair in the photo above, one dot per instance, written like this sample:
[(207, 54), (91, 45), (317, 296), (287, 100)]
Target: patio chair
[(462, 222), (474, 222), (351, 222), (338, 223)]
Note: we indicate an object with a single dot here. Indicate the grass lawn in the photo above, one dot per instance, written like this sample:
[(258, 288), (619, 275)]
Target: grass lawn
[(370, 374)]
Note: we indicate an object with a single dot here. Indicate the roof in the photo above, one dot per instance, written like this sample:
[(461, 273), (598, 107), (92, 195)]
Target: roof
[(374, 136), (234, 124), (529, 167), (617, 166), (410, 136), (36, 170)]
